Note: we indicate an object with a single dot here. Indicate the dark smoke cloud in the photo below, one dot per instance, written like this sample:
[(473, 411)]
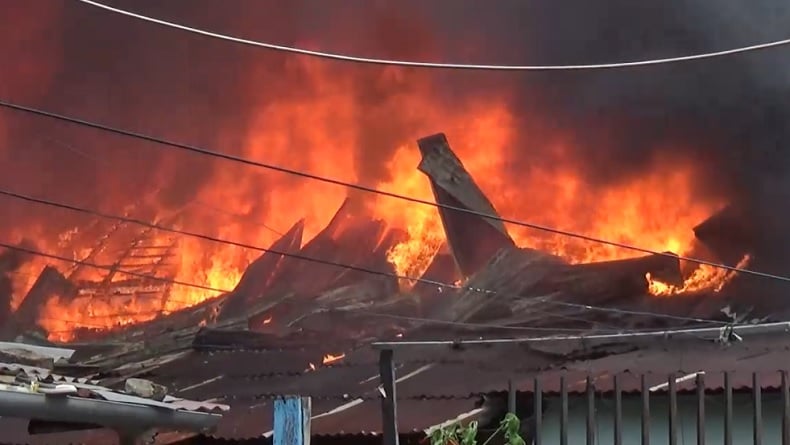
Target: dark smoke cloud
[(729, 114), (725, 112)]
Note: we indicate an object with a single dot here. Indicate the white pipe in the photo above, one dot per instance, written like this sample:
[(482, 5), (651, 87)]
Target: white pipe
[(749, 329), (116, 415)]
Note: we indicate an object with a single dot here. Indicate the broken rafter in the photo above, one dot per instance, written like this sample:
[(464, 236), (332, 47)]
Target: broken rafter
[(472, 239), (259, 273), (49, 283), (96, 248)]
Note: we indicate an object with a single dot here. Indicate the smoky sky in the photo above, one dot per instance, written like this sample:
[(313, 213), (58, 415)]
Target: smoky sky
[(730, 114)]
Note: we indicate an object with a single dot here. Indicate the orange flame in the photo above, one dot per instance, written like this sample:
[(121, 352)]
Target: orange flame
[(329, 358), (329, 126), (704, 277)]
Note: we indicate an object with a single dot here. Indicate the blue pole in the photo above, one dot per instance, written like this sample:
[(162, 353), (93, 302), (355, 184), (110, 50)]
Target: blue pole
[(292, 420)]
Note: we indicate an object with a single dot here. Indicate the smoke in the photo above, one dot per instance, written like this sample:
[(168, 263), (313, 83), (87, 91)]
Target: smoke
[(728, 114)]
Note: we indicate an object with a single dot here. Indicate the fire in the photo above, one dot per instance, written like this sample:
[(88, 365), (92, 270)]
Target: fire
[(631, 212), (490, 126), (329, 358), (360, 126), (703, 277)]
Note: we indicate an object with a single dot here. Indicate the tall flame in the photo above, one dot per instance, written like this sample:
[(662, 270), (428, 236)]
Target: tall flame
[(339, 124)]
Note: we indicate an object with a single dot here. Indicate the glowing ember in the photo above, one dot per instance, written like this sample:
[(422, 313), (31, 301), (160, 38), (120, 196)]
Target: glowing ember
[(329, 358), (704, 277)]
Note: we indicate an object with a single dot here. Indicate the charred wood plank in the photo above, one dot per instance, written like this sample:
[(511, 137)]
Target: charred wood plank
[(10, 262), (472, 239), (611, 280), (292, 270), (259, 274), (50, 283), (728, 233), (442, 269), (349, 240), (511, 272), (519, 281)]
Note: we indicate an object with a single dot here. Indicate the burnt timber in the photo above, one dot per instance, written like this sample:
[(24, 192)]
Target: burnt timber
[(504, 285), (269, 335), (472, 239)]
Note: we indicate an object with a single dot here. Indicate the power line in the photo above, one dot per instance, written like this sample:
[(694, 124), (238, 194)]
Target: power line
[(212, 238), (374, 314), (497, 326), (104, 267), (194, 203), (311, 259), (242, 160), (456, 66), (590, 340)]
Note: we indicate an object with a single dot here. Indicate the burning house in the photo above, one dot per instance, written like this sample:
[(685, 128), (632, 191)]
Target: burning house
[(354, 263), (302, 312), (289, 280)]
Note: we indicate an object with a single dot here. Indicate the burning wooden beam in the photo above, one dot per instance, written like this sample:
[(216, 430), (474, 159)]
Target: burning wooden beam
[(49, 283), (728, 233), (349, 239), (258, 276), (522, 281), (472, 239)]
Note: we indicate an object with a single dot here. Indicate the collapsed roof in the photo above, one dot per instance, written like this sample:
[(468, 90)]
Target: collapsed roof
[(296, 325)]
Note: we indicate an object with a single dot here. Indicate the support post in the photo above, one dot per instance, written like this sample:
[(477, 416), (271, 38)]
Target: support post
[(292, 420), (389, 418)]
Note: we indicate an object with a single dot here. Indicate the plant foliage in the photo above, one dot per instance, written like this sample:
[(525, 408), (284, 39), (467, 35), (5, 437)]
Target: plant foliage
[(458, 434)]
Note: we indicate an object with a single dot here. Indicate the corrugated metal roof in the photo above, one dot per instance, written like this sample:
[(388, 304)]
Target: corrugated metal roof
[(765, 356), (40, 373), (437, 384)]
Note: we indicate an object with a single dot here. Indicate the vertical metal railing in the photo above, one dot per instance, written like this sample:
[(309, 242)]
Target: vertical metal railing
[(618, 410), (645, 391), (700, 380), (671, 392), (785, 409), (538, 408), (563, 411), (590, 411), (595, 407), (757, 401), (673, 409), (727, 409)]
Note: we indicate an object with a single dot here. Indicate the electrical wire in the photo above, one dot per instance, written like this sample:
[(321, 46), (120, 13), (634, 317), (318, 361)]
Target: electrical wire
[(105, 267), (437, 65), (439, 284), (243, 160), (213, 238), (194, 203)]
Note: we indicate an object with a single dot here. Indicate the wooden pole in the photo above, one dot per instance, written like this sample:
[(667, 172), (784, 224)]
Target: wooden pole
[(292, 420), (389, 417)]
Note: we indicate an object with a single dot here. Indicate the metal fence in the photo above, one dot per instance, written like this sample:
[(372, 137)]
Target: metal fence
[(728, 423), (565, 426)]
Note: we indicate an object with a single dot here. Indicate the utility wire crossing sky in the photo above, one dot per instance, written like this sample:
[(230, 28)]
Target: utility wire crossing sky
[(250, 162), (438, 65)]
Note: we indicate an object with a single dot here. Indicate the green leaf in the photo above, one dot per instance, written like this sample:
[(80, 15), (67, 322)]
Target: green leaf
[(469, 434), (511, 427)]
